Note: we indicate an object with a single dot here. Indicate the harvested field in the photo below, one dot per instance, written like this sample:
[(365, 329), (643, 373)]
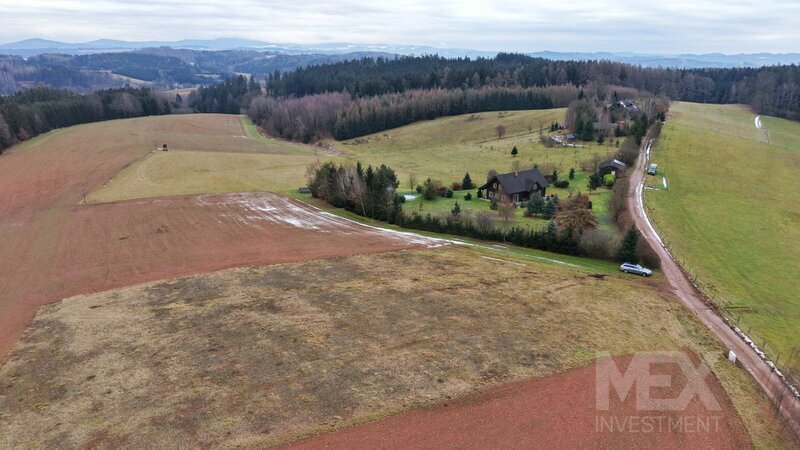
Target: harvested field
[(54, 245), (559, 411), (266, 355)]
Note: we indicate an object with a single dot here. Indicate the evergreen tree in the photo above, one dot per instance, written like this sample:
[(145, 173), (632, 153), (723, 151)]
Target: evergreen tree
[(550, 207), (627, 251), (514, 151), (456, 211), (572, 173), (535, 205), (466, 184), (594, 182)]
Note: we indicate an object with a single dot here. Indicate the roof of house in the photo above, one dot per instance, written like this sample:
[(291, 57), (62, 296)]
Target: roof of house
[(514, 184), (615, 163)]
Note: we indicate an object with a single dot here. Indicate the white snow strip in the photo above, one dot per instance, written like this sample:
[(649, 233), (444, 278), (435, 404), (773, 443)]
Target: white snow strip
[(503, 260), (664, 179), (758, 122), (640, 207)]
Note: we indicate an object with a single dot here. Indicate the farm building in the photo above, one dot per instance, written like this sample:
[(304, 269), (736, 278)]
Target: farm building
[(613, 166), (515, 187)]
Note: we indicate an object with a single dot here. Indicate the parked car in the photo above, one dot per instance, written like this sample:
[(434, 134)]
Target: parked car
[(635, 269)]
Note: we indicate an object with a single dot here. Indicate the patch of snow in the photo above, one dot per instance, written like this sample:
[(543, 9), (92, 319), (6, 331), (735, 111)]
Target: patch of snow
[(758, 122), (409, 197)]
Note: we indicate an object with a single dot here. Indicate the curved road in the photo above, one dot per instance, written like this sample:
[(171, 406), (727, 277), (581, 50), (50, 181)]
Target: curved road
[(694, 301)]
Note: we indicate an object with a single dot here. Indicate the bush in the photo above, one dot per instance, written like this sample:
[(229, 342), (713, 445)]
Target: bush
[(448, 193), (441, 191), (596, 243), (468, 197), (609, 179), (563, 184), (480, 193), (456, 186), (493, 204), (647, 256)]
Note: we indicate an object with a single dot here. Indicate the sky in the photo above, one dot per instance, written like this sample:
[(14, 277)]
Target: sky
[(664, 27)]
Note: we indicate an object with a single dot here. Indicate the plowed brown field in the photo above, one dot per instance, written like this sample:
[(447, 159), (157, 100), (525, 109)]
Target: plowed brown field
[(53, 245), (555, 412)]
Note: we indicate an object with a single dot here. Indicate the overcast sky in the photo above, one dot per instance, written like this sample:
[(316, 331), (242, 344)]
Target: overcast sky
[(667, 26)]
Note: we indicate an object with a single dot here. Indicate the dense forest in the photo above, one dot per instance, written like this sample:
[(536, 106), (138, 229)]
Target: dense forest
[(228, 97), (770, 90), (35, 111)]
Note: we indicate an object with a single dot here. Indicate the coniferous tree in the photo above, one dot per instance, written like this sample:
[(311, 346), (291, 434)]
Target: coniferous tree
[(627, 251), (466, 183)]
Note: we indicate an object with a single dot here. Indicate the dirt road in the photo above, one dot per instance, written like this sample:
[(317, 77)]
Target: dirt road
[(693, 300)]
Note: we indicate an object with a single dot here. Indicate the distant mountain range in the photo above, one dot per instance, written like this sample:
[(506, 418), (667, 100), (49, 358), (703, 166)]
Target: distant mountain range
[(32, 47)]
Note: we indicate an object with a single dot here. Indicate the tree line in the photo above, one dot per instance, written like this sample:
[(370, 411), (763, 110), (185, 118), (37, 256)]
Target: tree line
[(340, 116), (35, 111), (773, 90)]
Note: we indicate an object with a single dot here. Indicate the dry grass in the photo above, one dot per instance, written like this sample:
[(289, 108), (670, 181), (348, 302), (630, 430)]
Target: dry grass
[(188, 172), (256, 356)]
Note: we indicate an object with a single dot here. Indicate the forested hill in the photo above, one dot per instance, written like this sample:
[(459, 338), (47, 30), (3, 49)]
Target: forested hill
[(35, 111), (770, 90)]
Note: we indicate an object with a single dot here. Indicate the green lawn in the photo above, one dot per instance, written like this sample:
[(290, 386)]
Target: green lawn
[(732, 212), (600, 200)]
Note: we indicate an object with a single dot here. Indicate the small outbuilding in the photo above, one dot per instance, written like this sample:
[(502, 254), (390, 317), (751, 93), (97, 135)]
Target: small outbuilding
[(614, 167)]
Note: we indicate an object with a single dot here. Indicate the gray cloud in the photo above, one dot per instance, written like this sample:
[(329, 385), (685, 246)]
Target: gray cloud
[(670, 26)]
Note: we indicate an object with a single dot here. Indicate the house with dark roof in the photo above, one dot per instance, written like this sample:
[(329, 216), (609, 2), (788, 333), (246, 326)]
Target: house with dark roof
[(613, 166), (516, 187)]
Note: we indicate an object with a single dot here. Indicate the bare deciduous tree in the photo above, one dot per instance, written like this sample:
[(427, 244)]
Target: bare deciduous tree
[(500, 130), (506, 211), (484, 222)]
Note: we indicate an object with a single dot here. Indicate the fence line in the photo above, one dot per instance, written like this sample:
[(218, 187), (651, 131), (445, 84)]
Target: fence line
[(792, 380)]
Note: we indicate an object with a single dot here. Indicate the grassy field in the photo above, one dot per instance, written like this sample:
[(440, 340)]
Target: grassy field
[(446, 148), (235, 159), (187, 172), (732, 213), (262, 355), (241, 159)]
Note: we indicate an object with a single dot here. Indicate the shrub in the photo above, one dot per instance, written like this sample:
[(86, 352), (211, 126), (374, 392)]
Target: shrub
[(647, 256), (448, 193), (609, 179), (468, 197), (493, 204), (571, 173), (431, 189), (456, 186), (596, 243), (480, 193), (419, 189), (563, 184)]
